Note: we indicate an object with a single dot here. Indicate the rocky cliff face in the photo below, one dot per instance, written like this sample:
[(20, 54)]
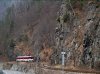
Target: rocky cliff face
[(45, 28), (78, 33)]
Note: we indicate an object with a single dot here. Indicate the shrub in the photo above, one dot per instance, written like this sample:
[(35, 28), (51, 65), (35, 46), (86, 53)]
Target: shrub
[(82, 2), (23, 38), (66, 17), (58, 19)]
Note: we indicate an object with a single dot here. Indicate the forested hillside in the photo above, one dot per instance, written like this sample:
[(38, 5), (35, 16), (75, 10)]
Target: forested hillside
[(44, 28)]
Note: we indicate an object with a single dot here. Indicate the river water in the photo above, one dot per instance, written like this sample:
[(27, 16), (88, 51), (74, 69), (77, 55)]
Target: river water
[(12, 72)]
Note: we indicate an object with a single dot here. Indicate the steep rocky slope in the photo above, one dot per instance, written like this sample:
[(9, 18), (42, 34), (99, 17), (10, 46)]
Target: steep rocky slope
[(27, 26), (78, 33), (30, 28)]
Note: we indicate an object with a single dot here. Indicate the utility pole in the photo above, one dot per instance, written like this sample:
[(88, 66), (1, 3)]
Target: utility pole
[(63, 58)]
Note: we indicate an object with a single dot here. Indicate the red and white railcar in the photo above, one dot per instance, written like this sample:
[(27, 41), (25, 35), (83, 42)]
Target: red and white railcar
[(24, 58)]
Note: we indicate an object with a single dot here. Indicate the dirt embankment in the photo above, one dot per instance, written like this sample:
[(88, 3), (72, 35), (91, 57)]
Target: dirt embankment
[(32, 68)]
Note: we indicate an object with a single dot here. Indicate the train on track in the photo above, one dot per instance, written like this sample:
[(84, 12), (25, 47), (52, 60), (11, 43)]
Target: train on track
[(25, 58)]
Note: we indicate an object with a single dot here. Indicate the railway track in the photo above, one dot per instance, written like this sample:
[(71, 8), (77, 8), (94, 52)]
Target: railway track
[(72, 70)]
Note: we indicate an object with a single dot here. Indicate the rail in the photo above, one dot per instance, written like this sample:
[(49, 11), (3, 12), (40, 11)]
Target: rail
[(72, 70)]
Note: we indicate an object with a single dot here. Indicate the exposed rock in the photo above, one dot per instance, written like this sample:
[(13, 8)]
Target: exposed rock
[(82, 30), (36, 32), (7, 66)]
